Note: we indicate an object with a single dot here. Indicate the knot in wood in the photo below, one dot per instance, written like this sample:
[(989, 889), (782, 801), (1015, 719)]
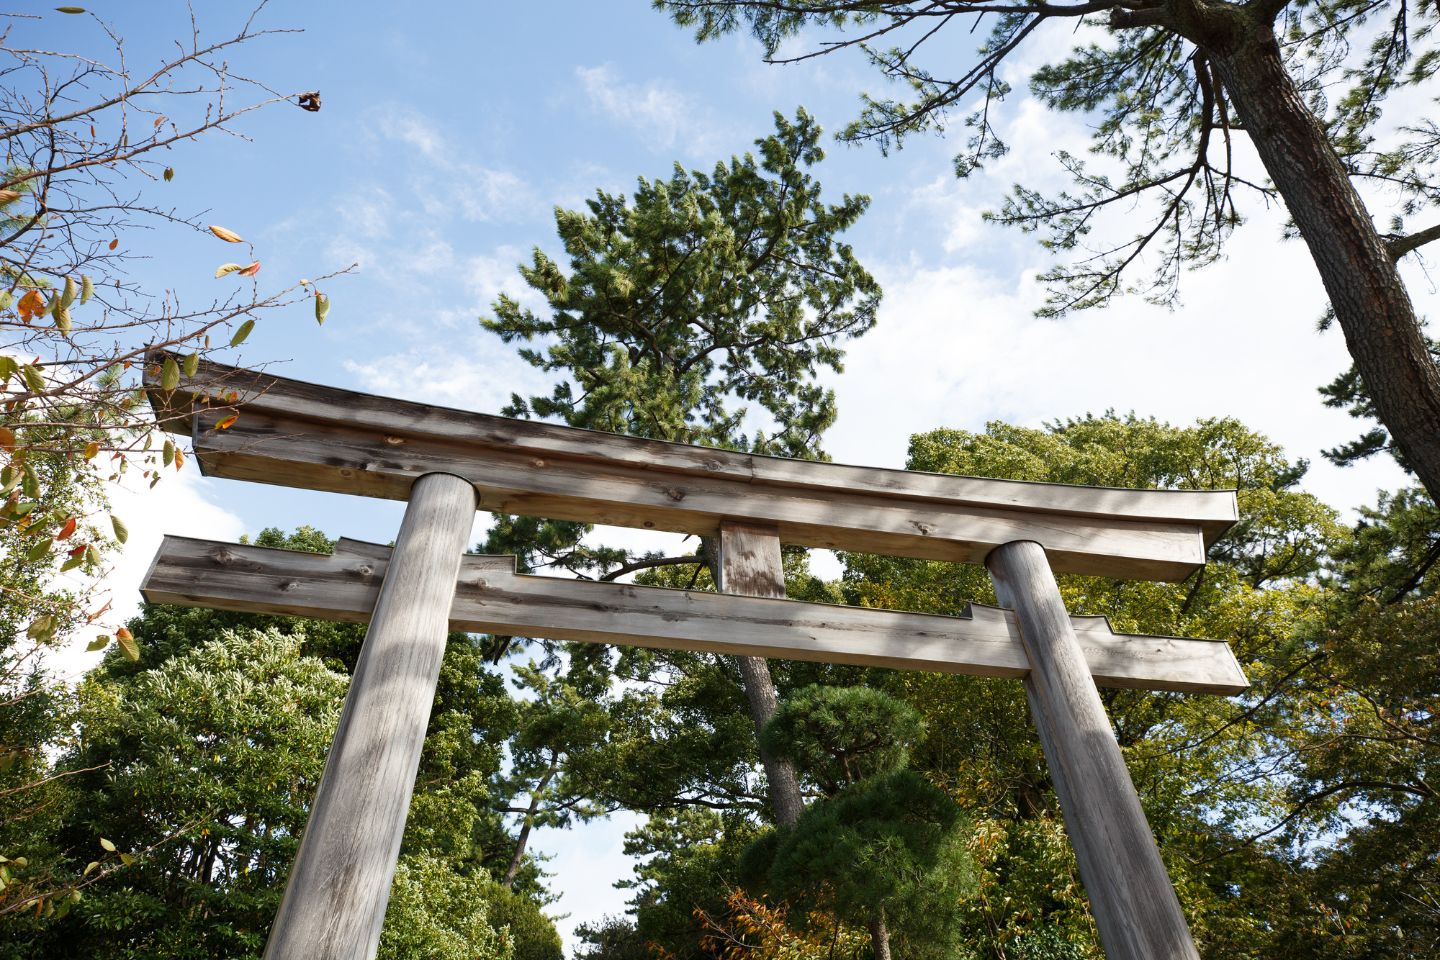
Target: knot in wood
[(394, 440), (675, 493)]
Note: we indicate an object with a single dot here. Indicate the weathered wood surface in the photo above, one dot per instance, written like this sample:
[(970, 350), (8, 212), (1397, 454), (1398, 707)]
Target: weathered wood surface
[(492, 598), (335, 899), (751, 566), (1135, 907), (304, 435)]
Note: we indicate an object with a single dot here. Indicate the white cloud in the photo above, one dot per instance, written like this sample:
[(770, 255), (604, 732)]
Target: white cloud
[(956, 346), (663, 115)]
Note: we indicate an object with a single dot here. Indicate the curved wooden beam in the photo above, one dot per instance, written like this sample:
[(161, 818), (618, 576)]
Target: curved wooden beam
[(300, 434)]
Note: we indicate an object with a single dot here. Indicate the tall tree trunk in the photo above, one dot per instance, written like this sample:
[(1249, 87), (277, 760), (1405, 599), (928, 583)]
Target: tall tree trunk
[(537, 795), (880, 935), (759, 580), (1371, 304)]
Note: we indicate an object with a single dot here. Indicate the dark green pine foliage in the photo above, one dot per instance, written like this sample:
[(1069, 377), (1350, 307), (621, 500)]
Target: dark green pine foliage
[(702, 300), (883, 848)]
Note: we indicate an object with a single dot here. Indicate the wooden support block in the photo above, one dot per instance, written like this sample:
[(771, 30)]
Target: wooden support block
[(751, 565), (1135, 906), (492, 598), (335, 900)]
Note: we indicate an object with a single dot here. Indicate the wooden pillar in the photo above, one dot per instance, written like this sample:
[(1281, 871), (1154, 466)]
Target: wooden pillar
[(750, 566), (335, 901), (1130, 893)]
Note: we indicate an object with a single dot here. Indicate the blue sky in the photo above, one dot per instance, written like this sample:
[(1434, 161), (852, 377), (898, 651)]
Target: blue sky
[(449, 131)]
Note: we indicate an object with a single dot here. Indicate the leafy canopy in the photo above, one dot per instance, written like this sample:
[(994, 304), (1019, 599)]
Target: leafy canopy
[(702, 295)]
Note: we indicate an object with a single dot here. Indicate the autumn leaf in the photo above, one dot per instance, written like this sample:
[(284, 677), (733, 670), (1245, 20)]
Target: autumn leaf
[(322, 307), (169, 174), (87, 290), (169, 374), (114, 243), (132, 649), (106, 845), (251, 270), (242, 333), (9, 196), (122, 532), (92, 449), (179, 459), (99, 643), (68, 530), (31, 306), (229, 236), (227, 268), (228, 422)]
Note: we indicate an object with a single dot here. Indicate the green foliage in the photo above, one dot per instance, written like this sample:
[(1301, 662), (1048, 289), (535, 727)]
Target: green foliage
[(202, 769), (883, 847), (1162, 125), (842, 735), (529, 933), (687, 860), (199, 762), (437, 914), (892, 846), (700, 295)]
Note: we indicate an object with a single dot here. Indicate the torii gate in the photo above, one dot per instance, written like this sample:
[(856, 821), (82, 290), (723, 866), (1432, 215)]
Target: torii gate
[(447, 464)]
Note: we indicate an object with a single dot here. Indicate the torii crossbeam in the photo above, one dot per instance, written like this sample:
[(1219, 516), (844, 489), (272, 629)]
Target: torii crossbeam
[(448, 463)]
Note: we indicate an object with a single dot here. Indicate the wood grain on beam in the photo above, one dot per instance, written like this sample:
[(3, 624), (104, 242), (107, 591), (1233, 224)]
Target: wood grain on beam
[(1135, 906), (307, 435), (492, 598)]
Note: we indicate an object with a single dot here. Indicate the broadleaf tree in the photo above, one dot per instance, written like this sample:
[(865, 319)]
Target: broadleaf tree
[(1174, 89)]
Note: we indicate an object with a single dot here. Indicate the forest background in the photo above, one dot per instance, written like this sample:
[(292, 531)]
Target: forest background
[(444, 142)]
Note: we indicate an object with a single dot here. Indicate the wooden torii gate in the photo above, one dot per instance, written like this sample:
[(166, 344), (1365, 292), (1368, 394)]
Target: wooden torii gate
[(447, 464)]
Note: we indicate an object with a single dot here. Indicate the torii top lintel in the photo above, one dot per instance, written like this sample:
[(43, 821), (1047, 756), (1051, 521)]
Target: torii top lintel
[(305, 435)]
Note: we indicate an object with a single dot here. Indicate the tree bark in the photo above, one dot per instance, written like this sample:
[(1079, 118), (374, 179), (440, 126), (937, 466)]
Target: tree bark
[(1372, 306), (523, 840), (879, 936), (747, 562)]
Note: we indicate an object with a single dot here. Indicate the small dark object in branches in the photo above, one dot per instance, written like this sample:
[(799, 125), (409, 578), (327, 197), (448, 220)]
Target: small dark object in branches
[(309, 101)]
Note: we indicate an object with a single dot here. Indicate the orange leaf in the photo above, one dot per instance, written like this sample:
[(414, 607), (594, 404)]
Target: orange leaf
[(91, 449), (179, 459), (251, 270), (229, 236), (228, 422), (67, 531), (31, 305), (124, 634), (77, 551), (115, 243), (7, 438)]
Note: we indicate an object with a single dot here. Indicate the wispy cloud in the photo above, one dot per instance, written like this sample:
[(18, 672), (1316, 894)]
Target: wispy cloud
[(444, 179), (664, 116)]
